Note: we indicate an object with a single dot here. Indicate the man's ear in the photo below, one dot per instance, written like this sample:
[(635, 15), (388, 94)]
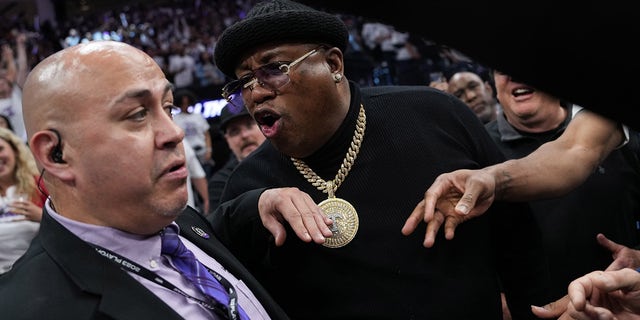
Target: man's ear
[(335, 59), (46, 146)]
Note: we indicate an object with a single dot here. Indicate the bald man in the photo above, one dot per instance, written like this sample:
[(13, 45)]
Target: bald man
[(114, 165)]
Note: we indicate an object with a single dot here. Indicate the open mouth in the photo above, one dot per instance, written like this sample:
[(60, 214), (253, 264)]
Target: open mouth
[(178, 165), (266, 118), (522, 91), (175, 168)]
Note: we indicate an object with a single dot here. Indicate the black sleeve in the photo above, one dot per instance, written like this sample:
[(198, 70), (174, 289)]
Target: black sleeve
[(237, 224)]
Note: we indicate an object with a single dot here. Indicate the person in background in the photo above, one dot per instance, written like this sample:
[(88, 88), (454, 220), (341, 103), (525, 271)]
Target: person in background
[(243, 136), (366, 156), (181, 65), (12, 74), (195, 126), (552, 170), (476, 93), (198, 196), (114, 165), (529, 118), (21, 198)]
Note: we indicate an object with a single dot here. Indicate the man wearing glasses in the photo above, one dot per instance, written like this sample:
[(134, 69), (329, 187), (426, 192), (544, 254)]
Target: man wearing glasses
[(365, 156)]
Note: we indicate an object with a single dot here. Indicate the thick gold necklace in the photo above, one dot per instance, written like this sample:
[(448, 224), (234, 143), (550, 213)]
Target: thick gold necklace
[(342, 213)]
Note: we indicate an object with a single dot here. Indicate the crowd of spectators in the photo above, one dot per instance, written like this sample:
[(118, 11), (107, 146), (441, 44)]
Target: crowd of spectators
[(182, 34)]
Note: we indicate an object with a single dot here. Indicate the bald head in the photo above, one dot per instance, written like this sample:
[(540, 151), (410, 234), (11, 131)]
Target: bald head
[(74, 80), (98, 117)]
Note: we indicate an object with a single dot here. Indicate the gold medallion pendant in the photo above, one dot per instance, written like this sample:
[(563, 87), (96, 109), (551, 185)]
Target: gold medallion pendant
[(342, 213), (345, 221)]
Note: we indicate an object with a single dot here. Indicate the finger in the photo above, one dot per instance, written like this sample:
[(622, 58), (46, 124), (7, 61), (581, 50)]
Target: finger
[(414, 219), (313, 221), (591, 312), (271, 205), (580, 289), (276, 229), (615, 265), (553, 309), (450, 225), (625, 279), (610, 245), (295, 214), (432, 229), (468, 200), (324, 223), (431, 197)]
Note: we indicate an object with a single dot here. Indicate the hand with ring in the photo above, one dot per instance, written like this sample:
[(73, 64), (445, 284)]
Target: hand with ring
[(26, 208)]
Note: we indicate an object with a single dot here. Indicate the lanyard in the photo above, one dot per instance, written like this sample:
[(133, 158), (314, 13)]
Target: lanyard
[(230, 312)]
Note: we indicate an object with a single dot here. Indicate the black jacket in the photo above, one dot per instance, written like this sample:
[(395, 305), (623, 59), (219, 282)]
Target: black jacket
[(62, 277)]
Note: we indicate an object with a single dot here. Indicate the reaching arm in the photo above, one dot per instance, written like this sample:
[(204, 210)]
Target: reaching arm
[(561, 165), (552, 170)]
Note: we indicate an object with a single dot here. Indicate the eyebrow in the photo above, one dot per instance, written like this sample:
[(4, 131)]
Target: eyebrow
[(143, 93), (265, 58)]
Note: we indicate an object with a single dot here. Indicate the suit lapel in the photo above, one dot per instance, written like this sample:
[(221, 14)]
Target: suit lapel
[(121, 296)]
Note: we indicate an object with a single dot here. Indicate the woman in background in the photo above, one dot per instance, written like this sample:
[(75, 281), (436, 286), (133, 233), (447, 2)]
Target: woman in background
[(21, 198)]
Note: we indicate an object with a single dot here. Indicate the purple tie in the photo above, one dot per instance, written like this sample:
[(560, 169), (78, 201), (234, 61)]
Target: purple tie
[(195, 271)]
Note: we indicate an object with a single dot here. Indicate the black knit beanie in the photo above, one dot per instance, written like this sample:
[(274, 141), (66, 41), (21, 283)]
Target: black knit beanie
[(277, 21)]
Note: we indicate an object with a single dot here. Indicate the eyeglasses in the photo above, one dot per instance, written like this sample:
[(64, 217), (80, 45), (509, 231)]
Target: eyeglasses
[(271, 76)]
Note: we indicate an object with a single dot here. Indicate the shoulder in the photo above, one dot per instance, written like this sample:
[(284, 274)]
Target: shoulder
[(223, 173), (375, 91), (416, 104), (411, 96)]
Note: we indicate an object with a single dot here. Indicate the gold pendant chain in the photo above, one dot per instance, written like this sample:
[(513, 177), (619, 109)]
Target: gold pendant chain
[(330, 187)]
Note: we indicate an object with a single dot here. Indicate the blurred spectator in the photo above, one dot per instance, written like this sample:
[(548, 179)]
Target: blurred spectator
[(378, 37), (408, 60), (72, 39), (198, 197), (357, 55), (243, 136), (12, 75), (181, 66), (21, 200), (195, 126), (208, 76), (476, 93)]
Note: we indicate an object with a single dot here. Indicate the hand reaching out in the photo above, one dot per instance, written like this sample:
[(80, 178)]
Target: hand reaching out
[(453, 198)]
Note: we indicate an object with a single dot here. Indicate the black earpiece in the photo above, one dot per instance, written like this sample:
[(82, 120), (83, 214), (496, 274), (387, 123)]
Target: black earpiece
[(56, 152)]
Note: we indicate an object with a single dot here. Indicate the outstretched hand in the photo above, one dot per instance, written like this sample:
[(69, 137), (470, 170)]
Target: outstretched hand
[(623, 256), (453, 198), (564, 308), (602, 295), (298, 209), (605, 295)]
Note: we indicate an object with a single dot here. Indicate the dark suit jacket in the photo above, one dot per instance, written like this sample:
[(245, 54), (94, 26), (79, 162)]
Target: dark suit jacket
[(62, 277)]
